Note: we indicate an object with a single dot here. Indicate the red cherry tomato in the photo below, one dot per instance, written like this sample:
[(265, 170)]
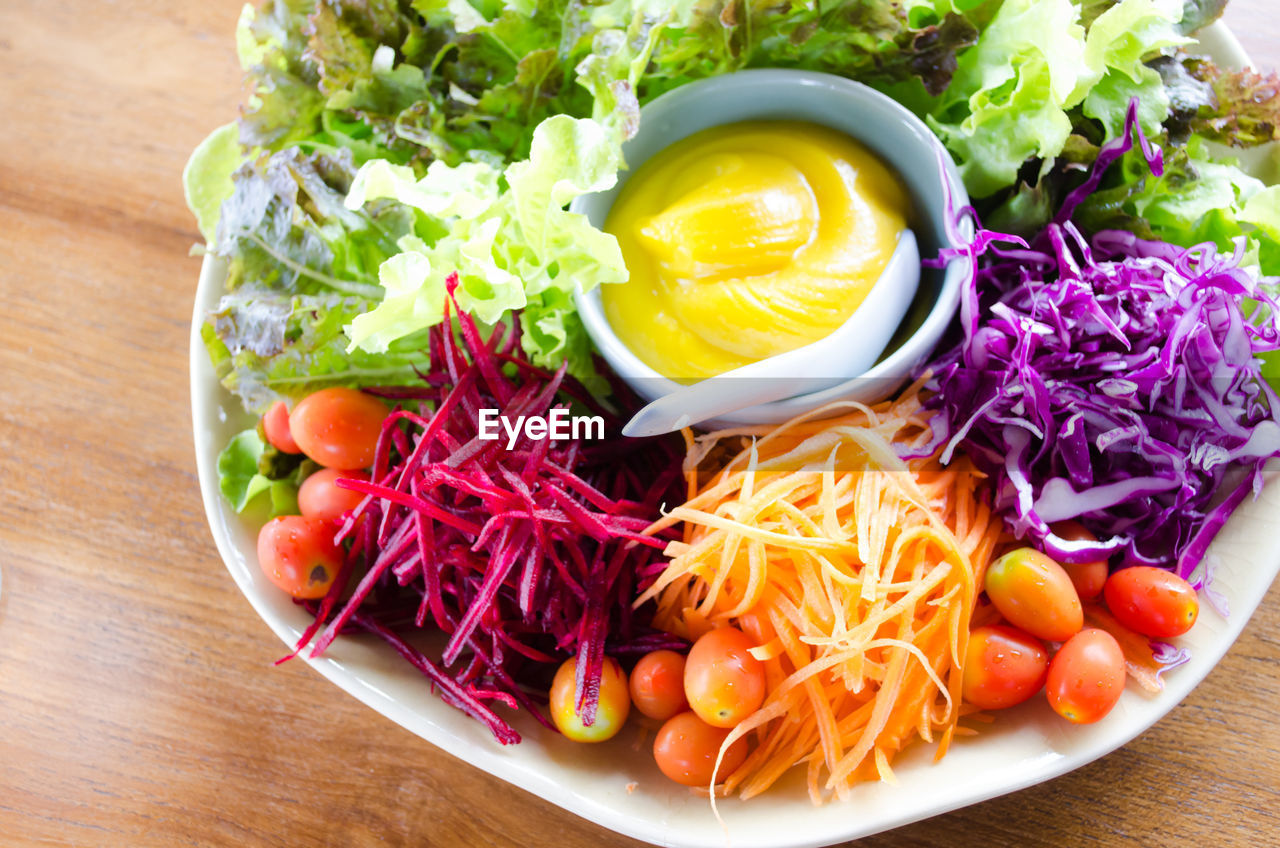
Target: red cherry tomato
[(657, 684), (1033, 593), (1086, 677), (1087, 577), (1152, 601), (611, 711), (1003, 666), (276, 425), (338, 427), (320, 496), (723, 682), (686, 749), (299, 555)]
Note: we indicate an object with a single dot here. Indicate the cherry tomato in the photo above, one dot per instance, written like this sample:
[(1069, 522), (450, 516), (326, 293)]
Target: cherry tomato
[(276, 425), (657, 684), (611, 711), (1086, 676), (686, 749), (1087, 577), (320, 496), (299, 555), (723, 682), (338, 427), (1003, 666), (1035, 594), (1152, 601)]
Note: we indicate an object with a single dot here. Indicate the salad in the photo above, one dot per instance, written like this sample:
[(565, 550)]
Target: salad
[(439, 453)]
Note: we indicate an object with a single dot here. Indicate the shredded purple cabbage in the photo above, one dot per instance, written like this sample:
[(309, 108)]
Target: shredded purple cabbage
[(1113, 381), (1168, 656)]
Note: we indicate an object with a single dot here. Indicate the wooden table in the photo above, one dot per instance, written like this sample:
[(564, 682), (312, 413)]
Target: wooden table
[(138, 705)]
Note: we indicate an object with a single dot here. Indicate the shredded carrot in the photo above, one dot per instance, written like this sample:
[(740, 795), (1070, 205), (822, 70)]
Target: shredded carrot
[(856, 573)]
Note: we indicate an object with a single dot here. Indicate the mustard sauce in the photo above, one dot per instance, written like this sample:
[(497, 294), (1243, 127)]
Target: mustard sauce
[(746, 241)]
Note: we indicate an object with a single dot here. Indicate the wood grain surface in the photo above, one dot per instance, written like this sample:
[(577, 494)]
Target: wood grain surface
[(138, 704)]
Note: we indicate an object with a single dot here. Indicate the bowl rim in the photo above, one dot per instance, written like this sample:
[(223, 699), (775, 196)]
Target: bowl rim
[(891, 370)]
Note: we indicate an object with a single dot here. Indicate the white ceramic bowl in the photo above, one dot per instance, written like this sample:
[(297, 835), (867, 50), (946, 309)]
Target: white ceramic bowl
[(886, 128), (1028, 744)]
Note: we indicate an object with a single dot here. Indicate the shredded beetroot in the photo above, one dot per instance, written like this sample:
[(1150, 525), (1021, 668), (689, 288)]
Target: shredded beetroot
[(522, 556)]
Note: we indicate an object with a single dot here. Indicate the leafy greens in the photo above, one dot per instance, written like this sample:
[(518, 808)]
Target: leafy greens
[(473, 123)]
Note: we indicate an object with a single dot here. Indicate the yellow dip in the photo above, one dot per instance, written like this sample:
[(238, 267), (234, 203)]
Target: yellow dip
[(748, 240)]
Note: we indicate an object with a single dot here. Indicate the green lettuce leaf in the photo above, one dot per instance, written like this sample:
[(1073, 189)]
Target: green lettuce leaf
[(517, 248), (1009, 97), (241, 482), (267, 347), (1118, 42), (285, 227), (1016, 93), (300, 267), (1200, 197), (206, 179)]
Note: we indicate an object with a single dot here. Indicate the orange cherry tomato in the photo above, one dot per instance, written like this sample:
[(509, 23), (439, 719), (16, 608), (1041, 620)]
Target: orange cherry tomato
[(299, 555), (657, 684), (723, 682), (320, 496), (276, 425), (1033, 593), (1087, 577), (686, 749), (1086, 677), (611, 711), (1152, 601), (1003, 666), (338, 427)]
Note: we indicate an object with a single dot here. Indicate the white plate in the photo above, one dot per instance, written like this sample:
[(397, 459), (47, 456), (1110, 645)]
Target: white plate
[(1023, 747)]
